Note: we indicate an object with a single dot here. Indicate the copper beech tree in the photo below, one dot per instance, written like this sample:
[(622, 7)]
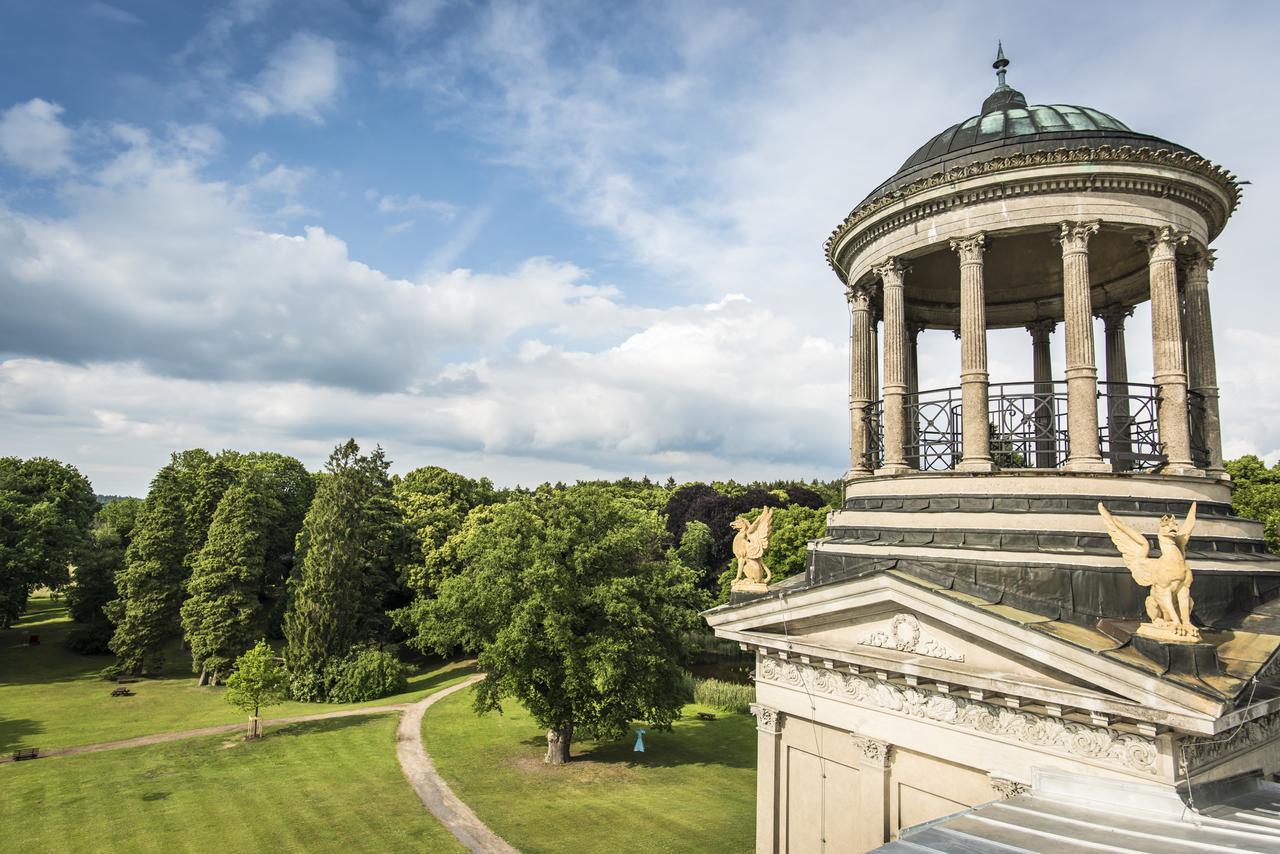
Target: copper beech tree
[(574, 608)]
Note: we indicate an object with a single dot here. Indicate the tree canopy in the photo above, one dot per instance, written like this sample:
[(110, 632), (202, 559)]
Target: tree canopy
[(1256, 494), (574, 608), (259, 679)]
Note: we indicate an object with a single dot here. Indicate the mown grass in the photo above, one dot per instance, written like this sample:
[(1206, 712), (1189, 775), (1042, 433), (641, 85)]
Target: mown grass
[(692, 790), (332, 785), (53, 697)]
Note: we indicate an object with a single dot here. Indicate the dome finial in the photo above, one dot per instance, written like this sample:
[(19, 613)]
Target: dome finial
[(1000, 65)]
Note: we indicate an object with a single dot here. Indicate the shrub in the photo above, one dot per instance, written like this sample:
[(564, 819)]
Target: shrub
[(688, 686), (725, 696), (366, 674)]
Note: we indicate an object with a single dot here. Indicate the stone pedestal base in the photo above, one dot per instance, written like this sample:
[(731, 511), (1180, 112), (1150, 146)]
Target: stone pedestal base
[(976, 466), (746, 585), (1090, 465), (1166, 634)]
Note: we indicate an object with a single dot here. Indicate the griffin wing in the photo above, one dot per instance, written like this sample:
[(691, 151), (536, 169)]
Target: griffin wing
[(1184, 530), (1133, 547), (758, 534)]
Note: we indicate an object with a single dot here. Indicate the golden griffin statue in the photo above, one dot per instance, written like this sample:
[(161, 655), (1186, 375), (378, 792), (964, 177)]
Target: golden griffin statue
[(749, 546), (1169, 604)]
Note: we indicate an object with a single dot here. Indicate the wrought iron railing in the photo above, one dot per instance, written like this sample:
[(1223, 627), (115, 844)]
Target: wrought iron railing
[(1028, 427), (1199, 444)]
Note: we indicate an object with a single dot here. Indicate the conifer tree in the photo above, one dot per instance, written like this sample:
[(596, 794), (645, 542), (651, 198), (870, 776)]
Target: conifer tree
[(151, 583), (221, 618), (349, 547)]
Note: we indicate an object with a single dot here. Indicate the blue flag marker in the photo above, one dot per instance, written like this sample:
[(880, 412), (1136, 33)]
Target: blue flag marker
[(640, 740)]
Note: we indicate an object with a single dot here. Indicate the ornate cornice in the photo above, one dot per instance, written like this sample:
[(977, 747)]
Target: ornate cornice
[(905, 635), (1063, 156), (1076, 740), (1195, 752)]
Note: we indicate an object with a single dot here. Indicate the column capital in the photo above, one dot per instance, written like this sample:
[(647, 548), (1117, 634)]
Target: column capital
[(891, 271), (1114, 314), (970, 248), (1198, 263), (768, 720), (860, 294), (875, 753), (1008, 788), (1041, 329), (914, 328), (1162, 244), (1074, 236)]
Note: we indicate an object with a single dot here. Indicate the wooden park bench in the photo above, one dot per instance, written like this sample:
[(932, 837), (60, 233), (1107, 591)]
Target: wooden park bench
[(706, 716), (29, 753), (122, 692)]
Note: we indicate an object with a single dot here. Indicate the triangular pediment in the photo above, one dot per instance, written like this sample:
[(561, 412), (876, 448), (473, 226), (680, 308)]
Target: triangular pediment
[(882, 623)]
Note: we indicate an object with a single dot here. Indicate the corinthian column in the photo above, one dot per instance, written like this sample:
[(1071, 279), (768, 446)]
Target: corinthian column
[(976, 448), (913, 392), (1170, 372), (1202, 366), (1119, 423), (861, 363), (892, 273), (1042, 373), (1082, 370)]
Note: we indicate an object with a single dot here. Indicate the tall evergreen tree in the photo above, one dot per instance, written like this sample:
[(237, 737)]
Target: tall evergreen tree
[(151, 583), (221, 618), (351, 543), (93, 584)]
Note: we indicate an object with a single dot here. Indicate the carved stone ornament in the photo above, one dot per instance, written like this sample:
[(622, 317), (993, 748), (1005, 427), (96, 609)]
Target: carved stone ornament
[(1076, 740), (1198, 751), (906, 635), (971, 248), (1169, 577), (1163, 244), (768, 720), (874, 751), (1006, 788), (1074, 236), (749, 546), (860, 295), (891, 272)]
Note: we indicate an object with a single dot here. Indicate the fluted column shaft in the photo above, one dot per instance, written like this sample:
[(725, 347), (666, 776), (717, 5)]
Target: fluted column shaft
[(1082, 370), (892, 274), (913, 389), (1119, 422), (1042, 374), (861, 364), (976, 447), (1170, 372), (1202, 364)]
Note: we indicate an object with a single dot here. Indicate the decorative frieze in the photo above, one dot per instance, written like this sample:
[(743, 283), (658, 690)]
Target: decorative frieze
[(1084, 154), (905, 635), (1196, 752), (1076, 740)]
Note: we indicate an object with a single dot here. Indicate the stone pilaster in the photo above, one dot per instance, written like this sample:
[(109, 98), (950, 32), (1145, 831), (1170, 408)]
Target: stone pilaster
[(1202, 365), (768, 756), (873, 757), (1082, 371), (1042, 375), (976, 449), (1170, 372), (861, 364), (892, 274), (1119, 421)]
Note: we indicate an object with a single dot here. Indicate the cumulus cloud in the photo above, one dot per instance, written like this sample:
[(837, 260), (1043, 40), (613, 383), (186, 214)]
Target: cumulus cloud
[(34, 138), (302, 79)]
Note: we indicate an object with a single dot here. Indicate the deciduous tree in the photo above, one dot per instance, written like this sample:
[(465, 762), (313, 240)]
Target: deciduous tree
[(259, 680)]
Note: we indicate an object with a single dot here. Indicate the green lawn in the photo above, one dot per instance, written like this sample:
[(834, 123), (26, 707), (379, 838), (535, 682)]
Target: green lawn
[(53, 697), (692, 790), (321, 786)]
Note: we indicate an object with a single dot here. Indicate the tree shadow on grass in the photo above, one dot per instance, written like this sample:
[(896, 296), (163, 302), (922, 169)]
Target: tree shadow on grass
[(728, 741), (466, 668), (304, 728), (17, 732)]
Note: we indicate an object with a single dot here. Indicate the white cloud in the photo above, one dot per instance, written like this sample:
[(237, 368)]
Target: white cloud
[(390, 204), (34, 138), (112, 13), (406, 18), (302, 79)]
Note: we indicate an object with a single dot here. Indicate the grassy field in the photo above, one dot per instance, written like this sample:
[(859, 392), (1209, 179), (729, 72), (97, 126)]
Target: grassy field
[(53, 697), (692, 790), (321, 786)]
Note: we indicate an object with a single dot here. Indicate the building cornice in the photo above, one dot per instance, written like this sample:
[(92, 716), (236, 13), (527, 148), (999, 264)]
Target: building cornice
[(1212, 209)]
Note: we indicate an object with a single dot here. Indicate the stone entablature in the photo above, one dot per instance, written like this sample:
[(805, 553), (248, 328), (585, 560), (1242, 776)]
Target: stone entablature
[(1196, 754), (1105, 745), (1211, 191)]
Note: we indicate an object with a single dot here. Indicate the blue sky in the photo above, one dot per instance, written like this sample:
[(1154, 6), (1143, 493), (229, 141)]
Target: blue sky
[(531, 241)]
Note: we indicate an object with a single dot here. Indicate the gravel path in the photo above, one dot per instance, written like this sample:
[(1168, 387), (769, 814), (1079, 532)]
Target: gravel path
[(160, 737), (434, 793)]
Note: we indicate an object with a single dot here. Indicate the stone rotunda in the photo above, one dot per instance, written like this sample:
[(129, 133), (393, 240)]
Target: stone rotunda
[(967, 630)]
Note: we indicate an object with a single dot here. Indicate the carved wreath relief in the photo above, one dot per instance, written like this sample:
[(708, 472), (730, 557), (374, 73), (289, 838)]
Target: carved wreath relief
[(905, 635)]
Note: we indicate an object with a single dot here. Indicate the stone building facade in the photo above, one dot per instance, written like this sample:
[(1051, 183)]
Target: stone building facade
[(966, 628)]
